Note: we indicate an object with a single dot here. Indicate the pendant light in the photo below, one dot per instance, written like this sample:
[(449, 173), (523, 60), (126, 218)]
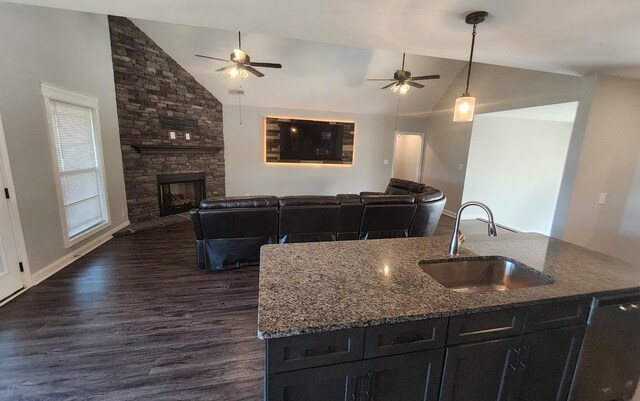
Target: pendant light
[(465, 105)]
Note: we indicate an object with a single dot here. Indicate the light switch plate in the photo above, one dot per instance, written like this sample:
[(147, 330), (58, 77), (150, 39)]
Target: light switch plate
[(603, 198), (172, 135), (187, 136)]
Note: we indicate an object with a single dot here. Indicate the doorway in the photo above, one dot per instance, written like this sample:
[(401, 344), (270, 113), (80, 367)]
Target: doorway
[(407, 156), (10, 267)]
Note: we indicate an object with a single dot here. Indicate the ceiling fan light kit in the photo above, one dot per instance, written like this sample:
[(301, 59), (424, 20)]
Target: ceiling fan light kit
[(402, 80), (241, 64), (464, 107)]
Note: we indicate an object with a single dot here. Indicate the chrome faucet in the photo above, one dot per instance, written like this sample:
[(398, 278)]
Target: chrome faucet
[(458, 237)]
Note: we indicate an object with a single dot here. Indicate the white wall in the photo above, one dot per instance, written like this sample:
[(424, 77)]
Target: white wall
[(628, 246), (495, 88), (516, 167), (67, 49), (608, 163), (406, 157), (247, 173)]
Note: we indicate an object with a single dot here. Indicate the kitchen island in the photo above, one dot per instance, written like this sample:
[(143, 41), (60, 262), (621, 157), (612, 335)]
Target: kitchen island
[(335, 310)]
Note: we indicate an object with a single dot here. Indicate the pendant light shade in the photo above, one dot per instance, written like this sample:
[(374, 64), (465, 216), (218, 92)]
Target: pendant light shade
[(464, 108)]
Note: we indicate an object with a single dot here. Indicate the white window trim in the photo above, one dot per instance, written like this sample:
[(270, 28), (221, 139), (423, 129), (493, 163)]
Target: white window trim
[(50, 92)]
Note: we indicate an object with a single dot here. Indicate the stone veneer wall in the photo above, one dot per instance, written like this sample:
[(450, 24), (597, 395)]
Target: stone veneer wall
[(150, 85)]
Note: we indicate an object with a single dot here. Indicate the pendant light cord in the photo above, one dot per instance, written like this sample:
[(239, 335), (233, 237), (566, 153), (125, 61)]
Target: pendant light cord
[(473, 44)]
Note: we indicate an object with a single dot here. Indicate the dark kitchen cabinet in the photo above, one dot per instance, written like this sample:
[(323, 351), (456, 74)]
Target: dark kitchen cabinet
[(549, 363), (517, 354), (410, 377), (484, 371), (329, 383)]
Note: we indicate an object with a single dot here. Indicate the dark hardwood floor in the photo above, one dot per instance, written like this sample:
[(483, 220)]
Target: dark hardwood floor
[(134, 319)]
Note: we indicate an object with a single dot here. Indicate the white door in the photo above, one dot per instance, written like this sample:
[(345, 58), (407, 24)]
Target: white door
[(407, 156), (10, 276)]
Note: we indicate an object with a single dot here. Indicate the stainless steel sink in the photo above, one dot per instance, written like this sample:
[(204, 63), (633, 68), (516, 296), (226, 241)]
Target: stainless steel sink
[(483, 274)]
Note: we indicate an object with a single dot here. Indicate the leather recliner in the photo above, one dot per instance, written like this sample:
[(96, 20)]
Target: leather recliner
[(387, 216), (230, 231), (308, 218), (351, 208), (430, 204)]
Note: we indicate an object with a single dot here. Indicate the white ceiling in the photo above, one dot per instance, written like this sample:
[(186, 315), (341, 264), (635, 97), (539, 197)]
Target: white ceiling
[(314, 76), (563, 112), (568, 36)]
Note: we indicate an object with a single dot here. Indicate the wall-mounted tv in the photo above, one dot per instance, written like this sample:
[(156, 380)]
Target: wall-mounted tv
[(309, 141)]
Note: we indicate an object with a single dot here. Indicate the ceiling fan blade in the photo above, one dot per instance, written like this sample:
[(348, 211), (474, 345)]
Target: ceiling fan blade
[(380, 79), (414, 84), (425, 77), (225, 69), (265, 65), (211, 58), (253, 71), (389, 86)]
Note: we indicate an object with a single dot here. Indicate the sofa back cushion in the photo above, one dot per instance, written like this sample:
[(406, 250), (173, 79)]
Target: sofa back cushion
[(308, 218), (234, 202), (422, 192), (386, 216), (351, 208)]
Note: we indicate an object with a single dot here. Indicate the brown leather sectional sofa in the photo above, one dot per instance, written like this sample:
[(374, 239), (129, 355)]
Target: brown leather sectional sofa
[(230, 231)]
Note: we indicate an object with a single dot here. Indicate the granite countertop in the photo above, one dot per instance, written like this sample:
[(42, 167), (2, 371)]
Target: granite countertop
[(323, 286)]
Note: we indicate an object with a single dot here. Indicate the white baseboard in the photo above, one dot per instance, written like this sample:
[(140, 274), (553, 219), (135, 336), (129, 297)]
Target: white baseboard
[(6, 300), (449, 213), (74, 255)]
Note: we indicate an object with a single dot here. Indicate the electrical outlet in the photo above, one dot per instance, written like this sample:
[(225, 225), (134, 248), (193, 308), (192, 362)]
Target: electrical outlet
[(385, 161), (187, 136), (460, 166), (172, 135)]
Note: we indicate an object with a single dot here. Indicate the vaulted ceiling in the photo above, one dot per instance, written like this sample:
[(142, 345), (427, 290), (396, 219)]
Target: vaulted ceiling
[(569, 36), (315, 76), (326, 46)]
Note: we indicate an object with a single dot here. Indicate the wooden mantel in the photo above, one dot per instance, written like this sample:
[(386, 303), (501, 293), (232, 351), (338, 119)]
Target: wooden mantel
[(175, 149)]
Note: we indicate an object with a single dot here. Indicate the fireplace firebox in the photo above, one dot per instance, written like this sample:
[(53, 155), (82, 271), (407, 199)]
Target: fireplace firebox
[(178, 193)]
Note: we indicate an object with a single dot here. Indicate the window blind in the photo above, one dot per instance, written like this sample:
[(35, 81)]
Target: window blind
[(74, 140)]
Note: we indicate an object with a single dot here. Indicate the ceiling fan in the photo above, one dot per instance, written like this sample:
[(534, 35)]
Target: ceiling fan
[(403, 80), (241, 65)]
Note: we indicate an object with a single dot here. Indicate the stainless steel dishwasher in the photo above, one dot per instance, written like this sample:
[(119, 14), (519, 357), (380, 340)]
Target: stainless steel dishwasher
[(609, 366)]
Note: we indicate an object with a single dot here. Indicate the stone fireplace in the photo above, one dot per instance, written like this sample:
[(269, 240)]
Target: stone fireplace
[(179, 193), (170, 128)]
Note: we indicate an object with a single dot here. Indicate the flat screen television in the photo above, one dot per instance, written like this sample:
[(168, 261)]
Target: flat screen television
[(310, 140)]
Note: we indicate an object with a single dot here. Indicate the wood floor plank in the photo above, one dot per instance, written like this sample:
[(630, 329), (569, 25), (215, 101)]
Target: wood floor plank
[(135, 320)]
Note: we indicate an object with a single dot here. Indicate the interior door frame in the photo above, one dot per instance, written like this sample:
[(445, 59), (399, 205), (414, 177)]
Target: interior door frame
[(422, 135), (14, 212)]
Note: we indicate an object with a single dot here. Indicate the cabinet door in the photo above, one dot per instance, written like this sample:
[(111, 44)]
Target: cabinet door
[(328, 383), (408, 377), (550, 363), (485, 371)]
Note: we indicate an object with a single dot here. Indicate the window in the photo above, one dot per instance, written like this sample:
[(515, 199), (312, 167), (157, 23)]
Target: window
[(75, 144)]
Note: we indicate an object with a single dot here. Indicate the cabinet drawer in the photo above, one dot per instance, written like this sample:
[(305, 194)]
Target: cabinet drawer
[(391, 339), (556, 315), (485, 326), (328, 383), (310, 350)]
